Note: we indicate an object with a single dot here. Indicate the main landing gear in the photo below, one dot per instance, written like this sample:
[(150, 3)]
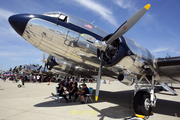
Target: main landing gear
[(144, 100), (141, 103)]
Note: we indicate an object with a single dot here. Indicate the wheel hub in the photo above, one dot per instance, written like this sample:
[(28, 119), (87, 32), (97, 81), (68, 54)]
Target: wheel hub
[(147, 103)]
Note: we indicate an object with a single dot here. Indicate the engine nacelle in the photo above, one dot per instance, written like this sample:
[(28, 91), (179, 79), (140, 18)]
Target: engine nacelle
[(114, 52), (70, 69), (51, 62), (126, 79)]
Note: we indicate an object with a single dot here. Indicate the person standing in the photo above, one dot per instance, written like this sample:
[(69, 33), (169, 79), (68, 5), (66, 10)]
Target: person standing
[(34, 78), (38, 77)]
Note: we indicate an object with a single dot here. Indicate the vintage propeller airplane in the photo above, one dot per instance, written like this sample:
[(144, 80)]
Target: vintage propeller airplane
[(84, 47), (28, 69)]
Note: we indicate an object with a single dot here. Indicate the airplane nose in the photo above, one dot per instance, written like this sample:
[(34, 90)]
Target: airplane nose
[(18, 22)]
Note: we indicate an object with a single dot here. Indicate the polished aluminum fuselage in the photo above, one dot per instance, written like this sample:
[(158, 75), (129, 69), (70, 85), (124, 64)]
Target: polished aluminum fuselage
[(71, 42), (69, 45)]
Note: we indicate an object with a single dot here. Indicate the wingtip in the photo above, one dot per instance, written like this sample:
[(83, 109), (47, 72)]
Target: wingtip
[(96, 98), (147, 6)]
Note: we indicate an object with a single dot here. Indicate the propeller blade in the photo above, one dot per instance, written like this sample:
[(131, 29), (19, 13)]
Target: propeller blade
[(39, 67), (99, 77), (128, 24)]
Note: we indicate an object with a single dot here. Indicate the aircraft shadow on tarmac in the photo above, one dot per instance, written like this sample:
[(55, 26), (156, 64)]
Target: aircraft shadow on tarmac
[(124, 108)]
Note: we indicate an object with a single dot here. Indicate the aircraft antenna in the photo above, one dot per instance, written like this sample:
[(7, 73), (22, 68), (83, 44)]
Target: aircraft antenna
[(93, 22)]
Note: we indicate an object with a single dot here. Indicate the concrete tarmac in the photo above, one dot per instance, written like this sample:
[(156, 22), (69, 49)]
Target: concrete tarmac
[(34, 102)]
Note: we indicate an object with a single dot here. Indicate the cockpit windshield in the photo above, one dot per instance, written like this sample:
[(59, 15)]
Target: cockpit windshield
[(52, 14)]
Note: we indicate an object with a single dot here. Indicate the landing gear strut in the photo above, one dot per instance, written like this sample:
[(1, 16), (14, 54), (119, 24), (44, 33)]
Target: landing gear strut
[(144, 100)]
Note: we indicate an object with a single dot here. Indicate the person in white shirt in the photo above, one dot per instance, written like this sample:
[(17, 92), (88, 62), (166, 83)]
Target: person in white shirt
[(38, 78)]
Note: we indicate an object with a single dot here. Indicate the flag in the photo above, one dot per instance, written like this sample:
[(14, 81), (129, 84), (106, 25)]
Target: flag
[(88, 26)]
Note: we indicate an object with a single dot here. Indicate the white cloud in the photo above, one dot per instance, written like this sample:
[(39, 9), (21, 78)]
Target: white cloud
[(130, 6), (124, 3), (149, 17), (105, 13), (5, 14), (160, 49), (7, 30), (175, 51)]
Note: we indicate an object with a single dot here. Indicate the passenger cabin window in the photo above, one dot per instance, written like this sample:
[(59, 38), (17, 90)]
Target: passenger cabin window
[(63, 17)]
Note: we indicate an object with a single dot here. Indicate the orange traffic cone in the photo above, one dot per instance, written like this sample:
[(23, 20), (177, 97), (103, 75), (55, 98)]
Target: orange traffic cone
[(49, 82), (109, 82)]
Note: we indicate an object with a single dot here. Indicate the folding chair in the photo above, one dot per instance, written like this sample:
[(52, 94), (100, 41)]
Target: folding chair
[(89, 95), (57, 97)]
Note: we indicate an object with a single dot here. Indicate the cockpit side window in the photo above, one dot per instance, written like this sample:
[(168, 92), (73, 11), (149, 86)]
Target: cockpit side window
[(63, 18)]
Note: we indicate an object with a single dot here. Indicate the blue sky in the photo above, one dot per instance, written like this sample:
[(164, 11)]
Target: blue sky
[(158, 30)]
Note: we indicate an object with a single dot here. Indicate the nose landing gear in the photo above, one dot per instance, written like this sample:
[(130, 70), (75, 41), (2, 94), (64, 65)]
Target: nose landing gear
[(144, 100)]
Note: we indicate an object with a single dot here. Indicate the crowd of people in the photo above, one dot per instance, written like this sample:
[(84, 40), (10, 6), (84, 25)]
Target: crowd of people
[(41, 78), (24, 78), (69, 88)]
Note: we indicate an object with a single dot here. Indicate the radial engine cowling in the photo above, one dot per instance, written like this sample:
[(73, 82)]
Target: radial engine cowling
[(67, 67), (63, 66), (51, 62), (113, 53), (126, 79)]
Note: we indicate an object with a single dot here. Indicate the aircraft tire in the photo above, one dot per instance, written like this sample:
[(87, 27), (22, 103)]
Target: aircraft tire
[(140, 103)]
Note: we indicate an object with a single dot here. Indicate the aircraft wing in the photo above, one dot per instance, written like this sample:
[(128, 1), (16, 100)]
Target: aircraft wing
[(169, 69)]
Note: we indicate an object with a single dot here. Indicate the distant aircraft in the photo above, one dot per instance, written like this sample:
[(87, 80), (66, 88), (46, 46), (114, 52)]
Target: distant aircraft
[(82, 45), (15, 70), (30, 69)]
